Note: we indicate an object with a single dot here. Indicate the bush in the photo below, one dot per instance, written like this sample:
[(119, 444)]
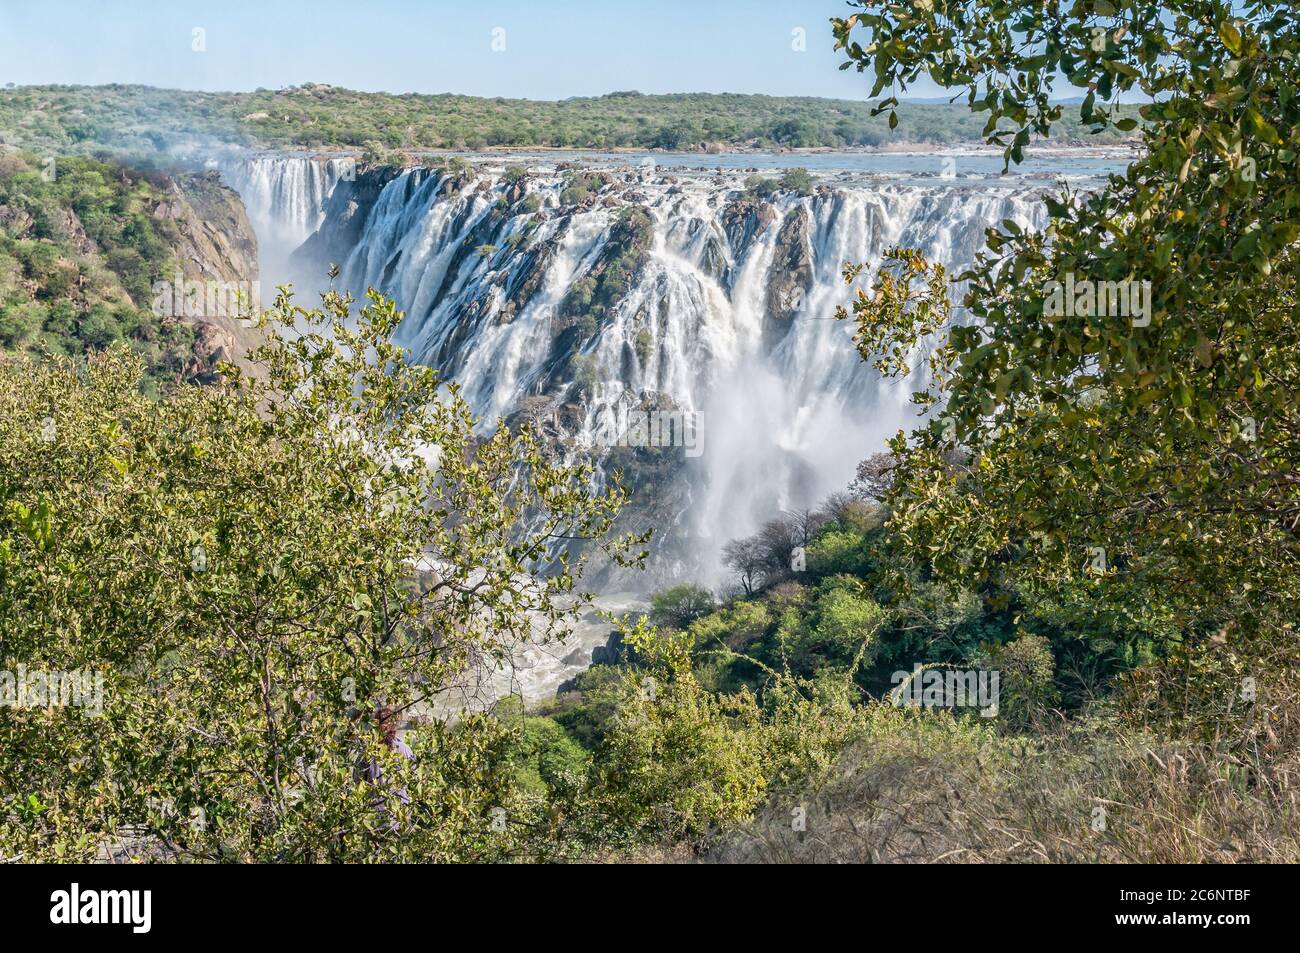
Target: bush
[(844, 623), (574, 195), (798, 181), (545, 758), (61, 319), (642, 345), (18, 322), (232, 503), (99, 328), (584, 372), (677, 607), (1027, 687), (837, 551), (679, 762), (734, 625)]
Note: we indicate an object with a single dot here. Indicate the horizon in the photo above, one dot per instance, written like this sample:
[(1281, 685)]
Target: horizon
[(615, 93), (612, 94)]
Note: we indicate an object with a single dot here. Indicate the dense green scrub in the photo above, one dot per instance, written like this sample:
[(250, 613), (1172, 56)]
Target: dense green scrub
[(79, 253), (142, 119)]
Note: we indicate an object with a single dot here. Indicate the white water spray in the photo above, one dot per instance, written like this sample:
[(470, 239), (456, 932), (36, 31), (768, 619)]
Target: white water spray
[(788, 408)]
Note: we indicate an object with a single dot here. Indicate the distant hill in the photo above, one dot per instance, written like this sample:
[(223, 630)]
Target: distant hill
[(142, 119)]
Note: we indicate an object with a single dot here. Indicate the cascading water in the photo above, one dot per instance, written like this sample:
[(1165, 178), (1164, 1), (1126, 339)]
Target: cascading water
[(638, 289), (728, 313), (285, 199)]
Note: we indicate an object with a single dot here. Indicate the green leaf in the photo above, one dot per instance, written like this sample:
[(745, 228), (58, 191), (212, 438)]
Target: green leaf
[(1262, 127), (1231, 37)]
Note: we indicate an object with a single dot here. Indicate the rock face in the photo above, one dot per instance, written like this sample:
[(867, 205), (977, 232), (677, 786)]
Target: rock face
[(215, 341), (218, 242), (346, 213), (789, 278), (14, 220), (216, 245), (525, 282), (76, 233), (744, 220), (17, 223)]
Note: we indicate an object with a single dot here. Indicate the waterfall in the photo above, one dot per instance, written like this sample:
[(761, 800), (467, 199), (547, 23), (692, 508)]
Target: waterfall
[(285, 199), (786, 407), (706, 298)]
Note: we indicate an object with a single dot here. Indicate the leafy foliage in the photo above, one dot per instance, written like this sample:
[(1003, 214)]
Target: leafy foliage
[(256, 569), (678, 606), (1151, 462)]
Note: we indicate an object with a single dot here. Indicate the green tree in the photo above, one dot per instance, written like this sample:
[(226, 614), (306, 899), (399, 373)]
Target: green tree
[(254, 569), (1026, 690), (678, 606), (799, 181), (585, 372), (1147, 451), (678, 760)]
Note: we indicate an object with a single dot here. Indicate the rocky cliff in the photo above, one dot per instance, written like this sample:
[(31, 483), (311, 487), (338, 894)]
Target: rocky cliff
[(214, 244)]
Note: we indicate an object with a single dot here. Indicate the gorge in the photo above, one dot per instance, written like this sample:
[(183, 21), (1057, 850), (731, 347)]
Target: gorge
[(576, 294)]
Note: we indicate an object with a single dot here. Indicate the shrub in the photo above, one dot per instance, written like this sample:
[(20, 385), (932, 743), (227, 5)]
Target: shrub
[(837, 551), (679, 606), (1027, 687), (797, 180), (846, 621), (642, 345), (679, 762), (18, 322), (99, 328), (584, 372), (574, 195)]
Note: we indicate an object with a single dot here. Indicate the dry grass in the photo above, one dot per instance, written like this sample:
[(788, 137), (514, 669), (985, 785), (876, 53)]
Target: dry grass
[(920, 787)]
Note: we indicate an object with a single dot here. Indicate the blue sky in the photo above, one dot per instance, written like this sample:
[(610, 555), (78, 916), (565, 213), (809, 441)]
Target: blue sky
[(552, 48)]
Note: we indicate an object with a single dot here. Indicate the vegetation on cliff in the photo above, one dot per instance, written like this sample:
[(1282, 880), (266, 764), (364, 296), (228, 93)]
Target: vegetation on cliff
[(82, 243)]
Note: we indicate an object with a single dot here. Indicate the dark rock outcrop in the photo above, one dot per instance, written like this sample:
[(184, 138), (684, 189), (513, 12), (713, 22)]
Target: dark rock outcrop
[(744, 220), (791, 275), (346, 214)]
